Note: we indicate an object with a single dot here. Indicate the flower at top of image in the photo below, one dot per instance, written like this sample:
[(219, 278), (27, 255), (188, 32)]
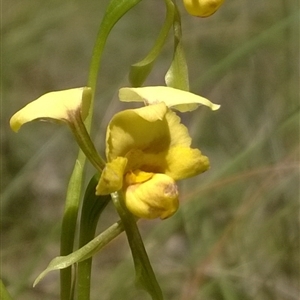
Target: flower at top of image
[(202, 8), (148, 149)]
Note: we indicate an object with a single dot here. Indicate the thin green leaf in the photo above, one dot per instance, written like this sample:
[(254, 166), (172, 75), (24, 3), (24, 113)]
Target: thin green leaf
[(140, 71), (177, 75), (4, 295), (85, 252), (92, 208)]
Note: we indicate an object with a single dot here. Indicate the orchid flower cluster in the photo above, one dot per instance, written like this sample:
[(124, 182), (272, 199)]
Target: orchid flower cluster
[(147, 150)]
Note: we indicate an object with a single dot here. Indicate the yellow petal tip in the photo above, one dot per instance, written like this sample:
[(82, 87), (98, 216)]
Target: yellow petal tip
[(215, 106), (14, 124)]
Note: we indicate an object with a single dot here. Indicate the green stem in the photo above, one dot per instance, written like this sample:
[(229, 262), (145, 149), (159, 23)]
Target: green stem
[(145, 277), (84, 279), (74, 188), (69, 224), (115, 10)]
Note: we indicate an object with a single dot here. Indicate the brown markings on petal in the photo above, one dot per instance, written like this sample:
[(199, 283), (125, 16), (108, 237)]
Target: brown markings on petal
[(171, 190)]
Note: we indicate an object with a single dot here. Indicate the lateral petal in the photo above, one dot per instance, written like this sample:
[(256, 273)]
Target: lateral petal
[(56, 105)]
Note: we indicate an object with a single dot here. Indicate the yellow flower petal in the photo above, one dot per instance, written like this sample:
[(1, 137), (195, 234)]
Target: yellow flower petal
[(129, 134), (202, 8), (111, 179), (144, 128), (158, 147), (179, 134), (178, 99), (153, 162), (152, 113), (155, 198), (54, 105), (183, 162)]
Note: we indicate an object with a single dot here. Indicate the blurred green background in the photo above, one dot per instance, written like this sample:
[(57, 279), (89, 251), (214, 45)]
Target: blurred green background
[(236, 234)]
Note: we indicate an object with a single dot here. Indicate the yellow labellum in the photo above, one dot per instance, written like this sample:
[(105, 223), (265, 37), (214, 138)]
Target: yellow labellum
[(180, 100), (148, 149), (54, 105), (155, 198), (202, 8)]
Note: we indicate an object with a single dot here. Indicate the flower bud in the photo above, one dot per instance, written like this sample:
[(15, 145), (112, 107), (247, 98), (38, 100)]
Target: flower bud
[(202, 8), (157, 197)]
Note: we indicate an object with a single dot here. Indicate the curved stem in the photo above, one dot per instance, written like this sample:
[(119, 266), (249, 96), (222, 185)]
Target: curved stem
[(115, 10), (145, 277), (69, 221)]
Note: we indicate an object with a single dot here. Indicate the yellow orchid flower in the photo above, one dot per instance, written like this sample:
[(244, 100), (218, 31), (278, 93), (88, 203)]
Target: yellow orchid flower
[(148, 150), (57, 106)]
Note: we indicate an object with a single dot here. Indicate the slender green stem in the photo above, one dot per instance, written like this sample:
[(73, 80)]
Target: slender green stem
[(116, 9), (69, 224), (84, 279), (145, 277), (74, 189), (114, 12)]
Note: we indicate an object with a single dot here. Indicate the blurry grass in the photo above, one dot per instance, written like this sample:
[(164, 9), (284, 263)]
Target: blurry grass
[(236, 235)]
